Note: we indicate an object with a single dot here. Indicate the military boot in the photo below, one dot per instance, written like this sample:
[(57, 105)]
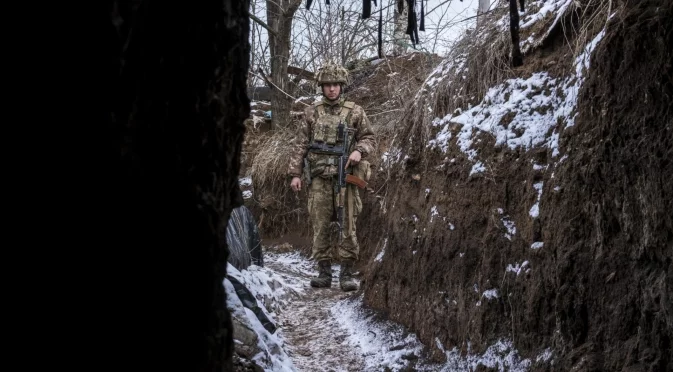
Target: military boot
[(324, 279), (346, 276)]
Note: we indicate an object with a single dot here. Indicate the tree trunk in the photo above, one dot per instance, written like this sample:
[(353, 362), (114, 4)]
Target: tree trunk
[(481, 9), (401, 39), (517, 57), (172, 94), (253, 34), (280, 14)]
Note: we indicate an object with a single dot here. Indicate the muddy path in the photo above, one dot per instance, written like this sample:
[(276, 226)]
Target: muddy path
[(326, 329), (315, 338)]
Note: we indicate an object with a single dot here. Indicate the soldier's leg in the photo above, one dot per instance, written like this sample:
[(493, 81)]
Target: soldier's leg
[(349, 250), (320, 209)]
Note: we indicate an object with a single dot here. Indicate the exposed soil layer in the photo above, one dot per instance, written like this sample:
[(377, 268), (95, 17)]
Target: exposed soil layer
[(611, 226), (597, 293)]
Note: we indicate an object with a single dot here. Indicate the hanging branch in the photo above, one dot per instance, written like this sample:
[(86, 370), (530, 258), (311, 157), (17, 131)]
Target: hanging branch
[(366, 9), (261, 23), (412, 29), (380, 33), (422, 28), (517, 57), (263, 76)]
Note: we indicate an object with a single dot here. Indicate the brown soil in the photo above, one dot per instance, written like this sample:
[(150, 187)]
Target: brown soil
[(612, 224), (598, 294)]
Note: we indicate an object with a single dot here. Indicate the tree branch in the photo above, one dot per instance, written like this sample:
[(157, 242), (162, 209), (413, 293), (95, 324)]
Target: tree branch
[(261, 23)]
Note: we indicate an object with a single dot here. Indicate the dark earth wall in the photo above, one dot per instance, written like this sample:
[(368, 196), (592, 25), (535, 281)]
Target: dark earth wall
[(165, 144), (598, 294)]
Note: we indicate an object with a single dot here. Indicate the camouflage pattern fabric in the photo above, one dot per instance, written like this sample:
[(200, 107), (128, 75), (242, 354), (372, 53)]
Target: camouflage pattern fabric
[(364, 135), (321, 205), (322, 198)]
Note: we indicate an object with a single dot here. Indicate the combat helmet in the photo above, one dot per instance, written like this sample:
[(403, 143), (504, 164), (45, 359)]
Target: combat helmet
[(332, 73)]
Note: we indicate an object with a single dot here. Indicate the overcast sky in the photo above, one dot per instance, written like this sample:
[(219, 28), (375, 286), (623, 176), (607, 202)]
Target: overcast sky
[(445, 20)]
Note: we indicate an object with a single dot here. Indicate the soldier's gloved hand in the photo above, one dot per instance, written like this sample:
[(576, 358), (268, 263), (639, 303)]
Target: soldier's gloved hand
[(295, 184), (354, 159)]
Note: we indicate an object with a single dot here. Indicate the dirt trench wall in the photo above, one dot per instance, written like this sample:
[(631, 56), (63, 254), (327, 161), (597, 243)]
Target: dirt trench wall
[(165, 143), (586, 284)]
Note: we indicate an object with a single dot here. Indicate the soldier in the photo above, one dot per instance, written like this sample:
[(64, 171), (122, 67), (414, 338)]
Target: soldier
[(320, 124)]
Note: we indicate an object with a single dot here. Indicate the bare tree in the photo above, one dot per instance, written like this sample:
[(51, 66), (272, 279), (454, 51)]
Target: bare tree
[(279, 16), (303, 39), (483, 8), (401, 13)]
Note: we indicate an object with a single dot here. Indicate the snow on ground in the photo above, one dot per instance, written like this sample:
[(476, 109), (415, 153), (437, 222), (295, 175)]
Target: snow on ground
[(538, 10), (490, 294), (333, 330), (379, 256), (245, 181), (271, 291), (535, 209), (518, 113), (447, 67), (521, 112), (500, 355), (509, 225), (518, 268), (382, 344)]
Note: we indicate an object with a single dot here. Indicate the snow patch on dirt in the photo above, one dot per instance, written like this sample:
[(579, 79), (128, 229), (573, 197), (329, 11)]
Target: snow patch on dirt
[(271, 292), (500, 355), (383, 344), (518, 268), (508, 224), (519, 113)]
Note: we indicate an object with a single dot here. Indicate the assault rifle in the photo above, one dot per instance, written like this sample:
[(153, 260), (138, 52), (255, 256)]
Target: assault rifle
[(340, 150)]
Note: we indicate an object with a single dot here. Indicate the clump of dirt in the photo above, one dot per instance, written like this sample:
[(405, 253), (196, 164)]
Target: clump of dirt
[(569, 258)]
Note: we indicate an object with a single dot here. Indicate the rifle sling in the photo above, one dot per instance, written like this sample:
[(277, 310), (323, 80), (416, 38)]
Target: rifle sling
[(350, 191)]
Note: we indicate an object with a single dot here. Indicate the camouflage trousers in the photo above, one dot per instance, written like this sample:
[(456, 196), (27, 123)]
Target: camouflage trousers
[(322, 202)]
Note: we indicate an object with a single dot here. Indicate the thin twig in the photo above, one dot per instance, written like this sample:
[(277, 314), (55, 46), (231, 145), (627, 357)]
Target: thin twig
[(384, 112), (261, 23), (263, 76)]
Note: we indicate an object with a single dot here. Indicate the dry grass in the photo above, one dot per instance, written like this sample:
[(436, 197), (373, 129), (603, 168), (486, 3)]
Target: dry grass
[(594, 15), (477, 61), (480, 60), (278, 209), (269, 165)]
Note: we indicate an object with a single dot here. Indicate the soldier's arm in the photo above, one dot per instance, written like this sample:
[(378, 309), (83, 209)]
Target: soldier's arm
[(365, 141), (299, 144)]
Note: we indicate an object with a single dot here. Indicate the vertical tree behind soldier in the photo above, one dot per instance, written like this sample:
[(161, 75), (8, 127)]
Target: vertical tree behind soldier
[(320, 125)]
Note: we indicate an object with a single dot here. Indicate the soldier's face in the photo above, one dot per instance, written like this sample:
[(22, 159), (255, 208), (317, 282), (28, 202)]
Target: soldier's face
[(331, 90)]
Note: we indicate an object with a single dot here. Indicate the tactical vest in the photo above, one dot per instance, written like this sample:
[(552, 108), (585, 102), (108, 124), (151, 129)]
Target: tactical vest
[(325, 129)]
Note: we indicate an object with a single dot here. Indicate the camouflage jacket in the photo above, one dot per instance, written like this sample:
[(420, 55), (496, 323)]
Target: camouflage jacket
[(364, 135)]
